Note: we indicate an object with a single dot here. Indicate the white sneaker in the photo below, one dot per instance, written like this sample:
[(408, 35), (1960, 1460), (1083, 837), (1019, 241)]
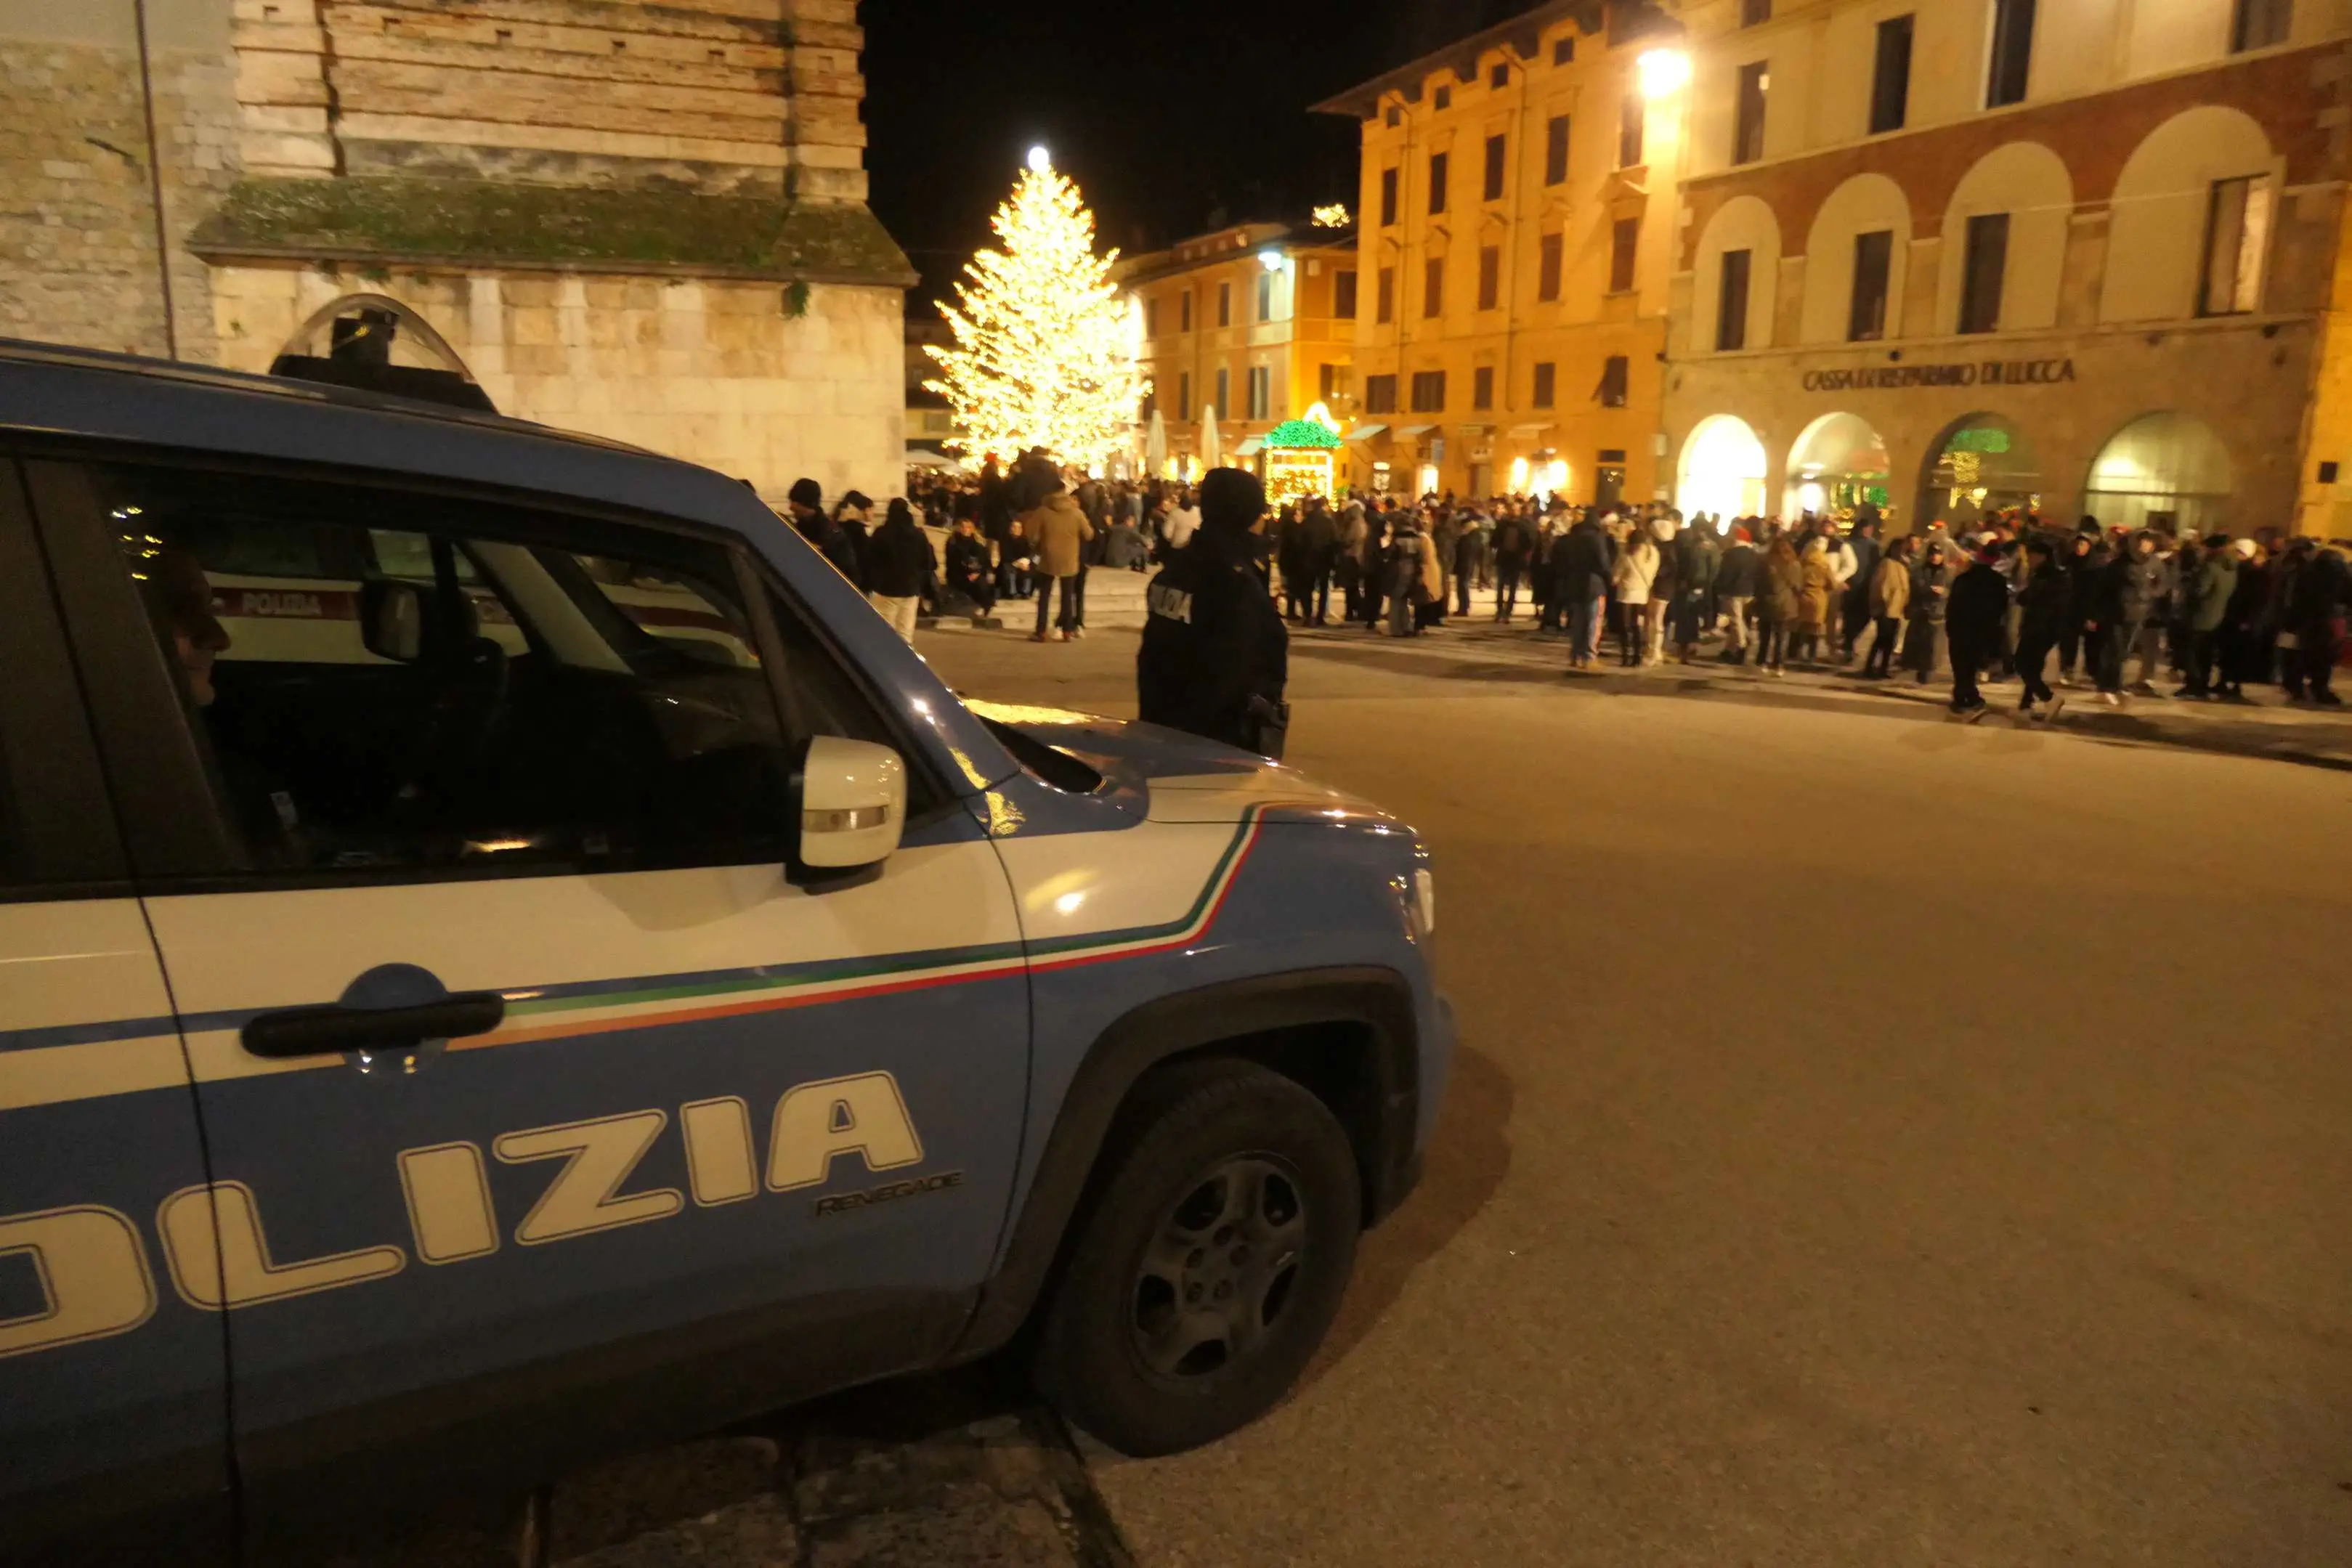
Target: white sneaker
[(2111, 699)]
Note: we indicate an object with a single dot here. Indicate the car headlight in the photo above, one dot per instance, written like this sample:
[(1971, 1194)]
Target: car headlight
[(1424, 902)]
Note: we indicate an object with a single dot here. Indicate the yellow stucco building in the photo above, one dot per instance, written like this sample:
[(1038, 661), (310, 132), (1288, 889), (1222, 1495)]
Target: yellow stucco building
[(1251, 325), (1516, 245)]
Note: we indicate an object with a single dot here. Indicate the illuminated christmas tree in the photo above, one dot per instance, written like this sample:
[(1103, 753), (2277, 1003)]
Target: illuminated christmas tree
[(1044, 352)]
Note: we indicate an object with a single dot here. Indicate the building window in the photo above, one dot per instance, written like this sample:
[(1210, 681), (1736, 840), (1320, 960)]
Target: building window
[(1184, 311), (1556, 149), (1980, 281), (1379, 395), (1437, 168), (1445, 97), (1343, 295), (1630, 115), (1184, 408), (1387, 198), (1482, 388), (1395, 117), (1428, 392), (1225, 304), (1432, 287), (2259, 24), (1328, 382), (2012, 52), (1225, 394), (1500, 76), (1890, 77), (1747, 125), (1547, 389), (1563, 51), (1874, 253), (1615, 371), (1753, 13), (1385, 305), (1498, 154), (1549, 256), (2237, 231), (1731, 302), (1490, 276), (1265, 297), (1261, 390), (1152, 318), (1624, 240)]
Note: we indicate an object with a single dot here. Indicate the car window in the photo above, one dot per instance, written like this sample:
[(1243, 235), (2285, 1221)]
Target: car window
[(393, 682)]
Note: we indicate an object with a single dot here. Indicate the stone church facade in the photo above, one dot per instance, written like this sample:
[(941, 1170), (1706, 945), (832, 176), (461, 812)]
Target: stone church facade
[(644, 222)]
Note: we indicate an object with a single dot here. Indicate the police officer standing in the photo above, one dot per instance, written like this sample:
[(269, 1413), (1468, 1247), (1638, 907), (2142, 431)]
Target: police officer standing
[(1215, 656)]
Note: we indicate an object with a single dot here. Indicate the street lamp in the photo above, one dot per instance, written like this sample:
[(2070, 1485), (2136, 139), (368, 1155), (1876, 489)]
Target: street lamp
[(1270, 259), (1662, 72)]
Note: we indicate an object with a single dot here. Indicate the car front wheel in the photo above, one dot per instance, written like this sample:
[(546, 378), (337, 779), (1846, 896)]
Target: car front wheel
[(1211, 1264)]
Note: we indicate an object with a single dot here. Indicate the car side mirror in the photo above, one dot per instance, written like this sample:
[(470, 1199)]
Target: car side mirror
[(392, 620), (853, 803)]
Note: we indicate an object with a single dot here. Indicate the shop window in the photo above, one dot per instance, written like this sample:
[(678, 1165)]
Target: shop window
[(1547, 387), (1556, 149), (1225, 304), (1748, 126), (1497, 156), (1432, 287), (1225, 394), (1265, 297), (1625, 241), (1490, 277), (1482, 388), (1563, 51), (1981, 278), (1261, 391), (2260, 24), (1550, 256), (1873, 254), (1630, 114), (2237, 231), (1428, 392), (1890, 76), (1500, 76), (1343, 295), (1754, 12), (1616, 372), (1439, 164), (1388, 197), (1379, 395), (2012, 52), (1184, 311), (1384, 300), (1731, 302)]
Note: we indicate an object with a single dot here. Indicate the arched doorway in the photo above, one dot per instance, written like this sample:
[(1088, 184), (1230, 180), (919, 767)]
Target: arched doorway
[(1982, 463), (375, 343), (1837, 466), (2164, 471), (1722, 469)]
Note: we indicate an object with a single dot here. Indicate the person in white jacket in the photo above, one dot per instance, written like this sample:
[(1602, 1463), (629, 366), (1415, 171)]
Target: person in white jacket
[(1636, 569)]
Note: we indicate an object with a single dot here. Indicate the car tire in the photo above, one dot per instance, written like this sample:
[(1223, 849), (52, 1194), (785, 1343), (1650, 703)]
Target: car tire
[(1209, 1264)]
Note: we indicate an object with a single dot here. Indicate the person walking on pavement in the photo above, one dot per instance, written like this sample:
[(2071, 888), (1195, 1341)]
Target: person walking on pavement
[(898, 563), (2081, 559), (1318, 553), (1858, 614), (806, 501), (2044, 601), (2203, 607), (1973, 623), (1215, 654), (1635, 572), (1780, 584), (1401, 581), (1511, 545), (1931, 593), (1058, 532), (1584, 560), (1890, 596), (2312, 623), (1736, 577), (2242, 650), (1695, 561)]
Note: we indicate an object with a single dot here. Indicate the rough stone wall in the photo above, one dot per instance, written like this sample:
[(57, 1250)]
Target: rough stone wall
[(719, 374), (76, 227)]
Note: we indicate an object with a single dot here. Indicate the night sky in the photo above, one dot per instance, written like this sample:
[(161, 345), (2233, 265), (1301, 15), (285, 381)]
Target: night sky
[(1162, 113)]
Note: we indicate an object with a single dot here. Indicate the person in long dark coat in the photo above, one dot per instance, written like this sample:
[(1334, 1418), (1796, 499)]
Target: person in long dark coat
[(1931, 594)]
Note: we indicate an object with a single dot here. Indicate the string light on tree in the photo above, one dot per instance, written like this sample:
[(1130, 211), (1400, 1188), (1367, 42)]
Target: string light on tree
[(1043, 353)]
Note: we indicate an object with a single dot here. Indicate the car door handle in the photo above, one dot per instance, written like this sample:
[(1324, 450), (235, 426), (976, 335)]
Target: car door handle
[(331, 1031)]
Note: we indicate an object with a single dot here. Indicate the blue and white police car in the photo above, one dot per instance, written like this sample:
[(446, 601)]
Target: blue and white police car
[(504, 957)]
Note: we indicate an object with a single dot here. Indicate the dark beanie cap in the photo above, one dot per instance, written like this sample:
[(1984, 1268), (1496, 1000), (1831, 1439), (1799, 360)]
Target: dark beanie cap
[(805, 493), (1231, 501)]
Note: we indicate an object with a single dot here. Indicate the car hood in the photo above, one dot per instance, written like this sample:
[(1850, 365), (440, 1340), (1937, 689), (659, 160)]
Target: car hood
[(1187, 778)]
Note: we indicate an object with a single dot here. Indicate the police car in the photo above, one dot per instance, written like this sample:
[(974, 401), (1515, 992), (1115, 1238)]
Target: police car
[(504, 957)]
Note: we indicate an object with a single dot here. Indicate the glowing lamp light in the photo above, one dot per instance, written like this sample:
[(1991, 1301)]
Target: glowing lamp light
[(1270, 259), (1041, 160), (1334, 216), (1662, 71)]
